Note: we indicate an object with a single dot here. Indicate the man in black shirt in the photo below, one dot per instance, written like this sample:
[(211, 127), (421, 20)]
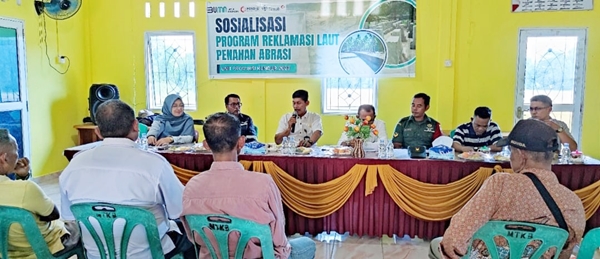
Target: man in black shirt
[(233, 105)]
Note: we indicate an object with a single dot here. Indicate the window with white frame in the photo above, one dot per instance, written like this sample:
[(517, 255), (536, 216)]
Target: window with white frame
[(552, 62), (170, 68), (343, 95)]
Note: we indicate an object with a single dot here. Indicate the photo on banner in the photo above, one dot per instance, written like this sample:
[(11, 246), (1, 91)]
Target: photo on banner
[(307, 39)]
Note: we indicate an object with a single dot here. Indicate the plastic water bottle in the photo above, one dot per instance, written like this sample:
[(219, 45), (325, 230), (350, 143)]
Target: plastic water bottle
[(284, 145), (390, 150), (565, 154), (292, 146), (382, 152), (143, 142), (505, 151)]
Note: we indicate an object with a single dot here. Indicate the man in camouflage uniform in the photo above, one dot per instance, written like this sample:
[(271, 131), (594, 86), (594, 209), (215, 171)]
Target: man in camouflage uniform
[(417, 129)]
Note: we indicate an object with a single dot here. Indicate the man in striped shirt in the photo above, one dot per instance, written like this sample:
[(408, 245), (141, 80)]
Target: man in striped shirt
[(480, 132)]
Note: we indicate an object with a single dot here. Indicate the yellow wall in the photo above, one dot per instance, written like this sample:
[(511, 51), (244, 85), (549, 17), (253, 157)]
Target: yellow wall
[(480, 37), (54, 99), (122, 38), (106, 44), (487, 59)]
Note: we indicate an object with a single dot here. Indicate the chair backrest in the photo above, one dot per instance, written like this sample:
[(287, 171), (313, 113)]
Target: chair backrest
[(106, 214), (13, 215), (196, 135), (590, 243), (222, 225), (143, 129), (256, 130), (518, 235), (452, 133)]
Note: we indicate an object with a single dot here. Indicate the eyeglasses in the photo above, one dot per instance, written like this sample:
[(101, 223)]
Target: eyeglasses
[(235, 104), (178, 106), (536, 109)]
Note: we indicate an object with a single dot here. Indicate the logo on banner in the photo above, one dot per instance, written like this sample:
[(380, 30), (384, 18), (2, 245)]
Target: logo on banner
[(263, 8), (220, 9), (273, 8), (249, 9)]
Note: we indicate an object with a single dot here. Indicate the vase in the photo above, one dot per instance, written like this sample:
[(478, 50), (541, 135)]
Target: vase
[(359, 150)]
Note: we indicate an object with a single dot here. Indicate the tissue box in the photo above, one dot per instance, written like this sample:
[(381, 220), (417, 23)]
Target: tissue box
[(441, 152), (444, 156), (254, 148)]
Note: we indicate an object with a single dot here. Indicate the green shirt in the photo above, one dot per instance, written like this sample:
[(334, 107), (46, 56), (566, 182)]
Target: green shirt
[(409, 132)]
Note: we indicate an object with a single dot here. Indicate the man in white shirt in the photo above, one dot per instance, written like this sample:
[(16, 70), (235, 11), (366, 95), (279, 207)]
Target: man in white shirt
[(119, 172), (304, 126), (371, 143)]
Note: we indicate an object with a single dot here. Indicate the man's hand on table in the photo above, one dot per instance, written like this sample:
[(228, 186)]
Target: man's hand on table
[(467, 149), (305, 143)]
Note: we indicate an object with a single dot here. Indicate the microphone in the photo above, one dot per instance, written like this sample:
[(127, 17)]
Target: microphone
[(295, 115)]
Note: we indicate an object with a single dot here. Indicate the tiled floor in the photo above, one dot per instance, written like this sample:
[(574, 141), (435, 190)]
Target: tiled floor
[(328, 246), (385, 247)]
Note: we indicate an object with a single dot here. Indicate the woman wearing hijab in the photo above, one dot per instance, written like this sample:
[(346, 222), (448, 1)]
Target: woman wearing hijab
[(173, 126)]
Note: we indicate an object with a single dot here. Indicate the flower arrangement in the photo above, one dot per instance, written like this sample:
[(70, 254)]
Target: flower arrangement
[(356, 128)]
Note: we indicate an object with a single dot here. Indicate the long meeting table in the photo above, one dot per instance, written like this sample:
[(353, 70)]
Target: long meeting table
[(376, 214)]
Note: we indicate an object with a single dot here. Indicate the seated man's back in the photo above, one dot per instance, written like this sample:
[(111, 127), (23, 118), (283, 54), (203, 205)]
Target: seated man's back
[(28, 195), (59, 236), (120, 173), (228, 189), (515, 197)]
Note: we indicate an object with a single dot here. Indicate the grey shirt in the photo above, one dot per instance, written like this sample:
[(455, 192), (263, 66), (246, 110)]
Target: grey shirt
[(565, 128)]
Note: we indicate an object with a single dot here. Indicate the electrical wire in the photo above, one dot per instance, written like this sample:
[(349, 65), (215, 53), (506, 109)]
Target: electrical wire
[(46, 49), (134, 69)]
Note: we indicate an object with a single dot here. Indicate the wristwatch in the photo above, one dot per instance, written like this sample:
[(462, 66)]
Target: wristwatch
[(559, 130), (18, 177)]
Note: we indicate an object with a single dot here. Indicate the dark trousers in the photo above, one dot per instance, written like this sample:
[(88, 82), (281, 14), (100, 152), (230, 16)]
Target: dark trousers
[(182, 244)]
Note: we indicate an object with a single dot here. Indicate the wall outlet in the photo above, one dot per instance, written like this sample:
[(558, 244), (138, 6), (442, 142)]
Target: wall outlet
[(61, 59)]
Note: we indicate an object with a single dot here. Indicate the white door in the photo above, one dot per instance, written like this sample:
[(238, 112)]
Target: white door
[(13, 91), (552, 62)]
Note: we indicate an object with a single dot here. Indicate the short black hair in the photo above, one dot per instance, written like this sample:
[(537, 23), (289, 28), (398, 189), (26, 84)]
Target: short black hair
[(483, 112), (367, 108), (302, 94), (423, 96), (222, 131), (115, 119), (231, 96)]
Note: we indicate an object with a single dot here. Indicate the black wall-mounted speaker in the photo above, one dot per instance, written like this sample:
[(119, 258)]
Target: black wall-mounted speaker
[(100, 93)]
